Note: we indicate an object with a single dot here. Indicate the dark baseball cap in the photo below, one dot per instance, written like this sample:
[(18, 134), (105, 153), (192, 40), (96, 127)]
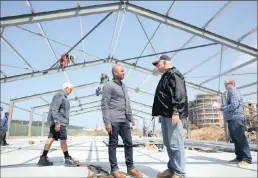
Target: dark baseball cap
[(162, 57)]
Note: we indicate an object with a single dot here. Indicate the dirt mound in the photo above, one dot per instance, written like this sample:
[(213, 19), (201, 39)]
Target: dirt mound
[(251, 137), (217, 134), (208, 133)]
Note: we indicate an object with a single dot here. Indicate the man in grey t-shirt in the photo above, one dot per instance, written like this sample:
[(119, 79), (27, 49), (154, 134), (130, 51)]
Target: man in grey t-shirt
[(117, 115)]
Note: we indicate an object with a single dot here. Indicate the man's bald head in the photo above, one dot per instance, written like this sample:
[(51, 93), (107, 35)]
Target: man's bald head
[(229, 83), (118, 72)]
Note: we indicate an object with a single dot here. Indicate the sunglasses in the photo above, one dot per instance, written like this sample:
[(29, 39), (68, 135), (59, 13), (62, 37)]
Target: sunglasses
[(226, 84)]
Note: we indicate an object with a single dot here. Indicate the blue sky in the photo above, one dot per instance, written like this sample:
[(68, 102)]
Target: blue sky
[(236, 20)]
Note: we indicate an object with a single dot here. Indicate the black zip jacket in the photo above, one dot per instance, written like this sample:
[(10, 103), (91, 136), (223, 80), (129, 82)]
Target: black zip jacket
[(171, 95)]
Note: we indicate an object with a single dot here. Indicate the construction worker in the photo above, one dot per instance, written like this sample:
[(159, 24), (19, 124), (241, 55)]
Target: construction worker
[(3, 129), (65, 60)]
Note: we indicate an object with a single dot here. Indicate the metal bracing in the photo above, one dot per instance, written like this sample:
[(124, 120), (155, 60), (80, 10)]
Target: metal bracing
[(96, 102), (10, 111), (99, 108), (141, 92), (92, 107), (191, 29), (89, 103), (44, 100), (81, 27), (235, 74), (119, 32), (73, 99), (204, 27), (247, 85), (149, 42), (148, 71), (95, 110), (58, 42), (145, 33), (85, 104), (4, 74), (145, 105), (220, 65), (219, 52), (21, 109), (51, 71), (84, 112), (140, 111), (16, 52), (167, 13), (43, 123), (42, 30), (252, 93), (59, 14), (16, 67), (48, 43), (53, 92), (30, 122), (231, 70), (113, 35), (85, 36), (165, 52), (79, 11), (152, 36), (2, 32)]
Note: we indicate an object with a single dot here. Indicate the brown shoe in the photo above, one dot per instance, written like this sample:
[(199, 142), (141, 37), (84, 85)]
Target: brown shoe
[(135, 173), (234, 161), (175, 176), (117, 174), (242, 164), (165, 174)]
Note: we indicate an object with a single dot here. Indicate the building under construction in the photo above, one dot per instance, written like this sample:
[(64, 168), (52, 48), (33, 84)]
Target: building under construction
[(250, 111), (202, 113)]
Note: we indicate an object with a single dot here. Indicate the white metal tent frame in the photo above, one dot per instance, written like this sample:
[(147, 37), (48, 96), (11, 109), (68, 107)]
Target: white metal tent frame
[(118, 7)]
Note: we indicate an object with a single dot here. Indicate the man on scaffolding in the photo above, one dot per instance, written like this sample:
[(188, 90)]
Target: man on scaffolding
[(65, 60)]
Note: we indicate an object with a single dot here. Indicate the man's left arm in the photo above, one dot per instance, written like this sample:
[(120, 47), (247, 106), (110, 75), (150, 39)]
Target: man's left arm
[(129, 109), (234, 101)]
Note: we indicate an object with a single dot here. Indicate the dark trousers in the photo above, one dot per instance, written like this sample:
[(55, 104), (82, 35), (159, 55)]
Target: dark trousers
[(3, 137), (237, 133), (123, 129)]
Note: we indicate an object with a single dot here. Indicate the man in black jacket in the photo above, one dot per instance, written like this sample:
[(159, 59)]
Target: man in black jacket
[(171, 105)]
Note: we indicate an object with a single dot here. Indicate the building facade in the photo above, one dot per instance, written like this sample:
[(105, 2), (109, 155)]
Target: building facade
[(201, 112)]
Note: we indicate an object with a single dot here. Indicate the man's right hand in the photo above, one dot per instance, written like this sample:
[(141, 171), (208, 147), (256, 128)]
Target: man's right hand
[(57, 127), (109, 128)]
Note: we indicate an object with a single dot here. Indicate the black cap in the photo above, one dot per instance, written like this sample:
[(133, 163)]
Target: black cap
[(162, 57)]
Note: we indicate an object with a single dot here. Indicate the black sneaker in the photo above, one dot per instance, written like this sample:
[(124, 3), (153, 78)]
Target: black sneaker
[(5, 144), (69, 161), (43, 161)]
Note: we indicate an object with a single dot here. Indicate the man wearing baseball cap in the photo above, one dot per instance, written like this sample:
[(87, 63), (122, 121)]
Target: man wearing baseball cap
[(171, 105)]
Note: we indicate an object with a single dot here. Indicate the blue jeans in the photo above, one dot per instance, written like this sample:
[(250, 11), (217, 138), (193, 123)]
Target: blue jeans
[(174, 141), (123, 129), (237, 132)]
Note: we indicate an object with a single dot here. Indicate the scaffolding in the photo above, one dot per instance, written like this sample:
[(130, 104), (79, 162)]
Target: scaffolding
[(203, 114)]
